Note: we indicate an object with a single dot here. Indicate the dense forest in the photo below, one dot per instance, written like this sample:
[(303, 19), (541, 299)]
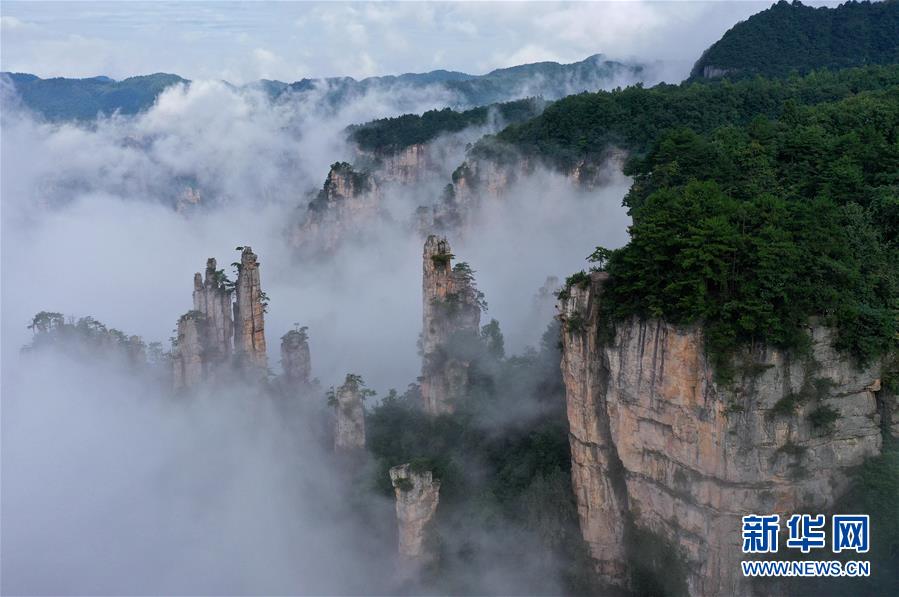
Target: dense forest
[(387, 135), (753, 229), (792, 37), (583, 126), (83, 99), (504, 465)]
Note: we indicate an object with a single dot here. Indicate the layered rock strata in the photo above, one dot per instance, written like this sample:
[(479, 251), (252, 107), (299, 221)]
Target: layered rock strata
[(658, 446), (249, 315), (212, 298)]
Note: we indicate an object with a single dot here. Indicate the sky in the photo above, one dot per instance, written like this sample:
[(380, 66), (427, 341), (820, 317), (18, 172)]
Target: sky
[(242, 42)]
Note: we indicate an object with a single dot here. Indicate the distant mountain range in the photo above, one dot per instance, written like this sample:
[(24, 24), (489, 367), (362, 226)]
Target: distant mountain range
[(791, 37), (84, 99)]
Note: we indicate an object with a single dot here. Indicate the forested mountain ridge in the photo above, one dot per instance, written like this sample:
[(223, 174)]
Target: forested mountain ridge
[(82, 99), (793, 37), (582, 126), (393, 134)]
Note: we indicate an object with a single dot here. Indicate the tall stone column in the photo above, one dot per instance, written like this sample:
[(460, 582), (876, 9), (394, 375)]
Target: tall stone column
[(188, 364), (417, 496), (212, 298), (295, 359), (451, 311), (349, 431), (249, 315)]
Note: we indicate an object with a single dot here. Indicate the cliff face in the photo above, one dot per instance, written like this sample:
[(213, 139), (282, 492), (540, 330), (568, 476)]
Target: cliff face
[(189, 367), (295, 358), (658, 446), (451, 314), (349, 429), (348, 201), (204, 333), (417, 496), (410, 165), (482, 180), (212, 298), (249, 315), (208, 337)]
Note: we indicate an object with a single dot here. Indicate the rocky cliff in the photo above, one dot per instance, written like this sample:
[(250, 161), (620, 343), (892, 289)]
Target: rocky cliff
[(451, 316), (409, 165), (348, 202), (349, 428), (417, 496), (217, 330), (295, 359), (212, 298), (661, 451), (483, 179), (204, 334), (249, 315), (189, 367)]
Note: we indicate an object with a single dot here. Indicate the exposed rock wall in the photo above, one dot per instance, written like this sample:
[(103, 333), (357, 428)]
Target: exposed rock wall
[(349, 429), (249, 315), (212, 298), (188, 357), (410, 165), (348, 202), (451, 315), (656, 443), (295, 359), (417, 496)]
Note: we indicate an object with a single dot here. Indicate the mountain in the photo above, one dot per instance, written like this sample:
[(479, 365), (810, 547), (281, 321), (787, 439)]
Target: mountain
[(550, 80), (583, 126), (792, 37), (394, 134), (80, 99)]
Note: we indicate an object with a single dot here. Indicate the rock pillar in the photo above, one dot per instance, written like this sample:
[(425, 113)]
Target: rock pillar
[(212, 298), (451, 316), (349, 432), (295, 359), (188, 365), (417, 495), (249, 314)]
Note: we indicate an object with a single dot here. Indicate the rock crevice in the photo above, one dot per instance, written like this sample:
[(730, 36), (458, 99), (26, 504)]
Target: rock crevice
[(658, 446)]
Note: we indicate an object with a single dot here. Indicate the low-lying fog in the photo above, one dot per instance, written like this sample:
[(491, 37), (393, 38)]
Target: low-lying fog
[(108, 489)]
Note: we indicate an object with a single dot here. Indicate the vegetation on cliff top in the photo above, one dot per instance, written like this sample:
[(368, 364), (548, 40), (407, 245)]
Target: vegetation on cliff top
[(752, 229), (582, 127), (390, 135), (83, 99), (792, 37)]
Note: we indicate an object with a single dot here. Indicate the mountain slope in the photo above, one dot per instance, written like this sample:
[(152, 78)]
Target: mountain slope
[(80, 99), (585, 125), (394, 134), (794, 37)]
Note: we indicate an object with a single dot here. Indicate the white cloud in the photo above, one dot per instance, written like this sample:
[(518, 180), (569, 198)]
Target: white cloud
[(358, 39), (9, 23)]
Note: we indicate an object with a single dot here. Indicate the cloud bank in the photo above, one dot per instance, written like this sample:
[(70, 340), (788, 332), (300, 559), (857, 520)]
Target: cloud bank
[(224, 494)]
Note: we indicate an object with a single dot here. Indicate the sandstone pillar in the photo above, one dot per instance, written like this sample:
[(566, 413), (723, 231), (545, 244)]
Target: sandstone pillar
[(417, 495)]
